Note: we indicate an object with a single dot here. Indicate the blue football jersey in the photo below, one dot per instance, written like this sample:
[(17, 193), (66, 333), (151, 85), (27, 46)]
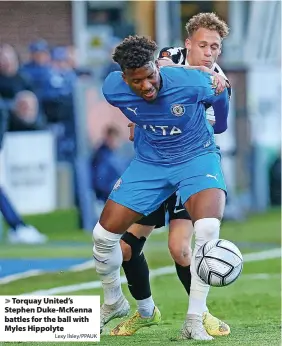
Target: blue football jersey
[(173, 128)]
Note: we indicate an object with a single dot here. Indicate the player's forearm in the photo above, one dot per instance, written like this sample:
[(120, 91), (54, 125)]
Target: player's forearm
[(221, 109)]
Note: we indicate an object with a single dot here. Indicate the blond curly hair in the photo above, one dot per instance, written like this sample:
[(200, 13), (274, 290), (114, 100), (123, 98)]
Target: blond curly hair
[(208, 21)]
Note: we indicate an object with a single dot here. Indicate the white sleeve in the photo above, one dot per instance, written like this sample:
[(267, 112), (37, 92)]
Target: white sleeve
[(210, 114), (217, 69)]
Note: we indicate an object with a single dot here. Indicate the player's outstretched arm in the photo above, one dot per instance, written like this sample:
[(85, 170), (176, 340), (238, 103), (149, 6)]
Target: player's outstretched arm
[(219, 81), (221, 110), (219, 102)]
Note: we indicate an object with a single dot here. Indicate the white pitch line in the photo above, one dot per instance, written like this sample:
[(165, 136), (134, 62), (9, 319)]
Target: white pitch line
[(256, 256), (19, 276), (34, 272), (251, 257), (262, 255)]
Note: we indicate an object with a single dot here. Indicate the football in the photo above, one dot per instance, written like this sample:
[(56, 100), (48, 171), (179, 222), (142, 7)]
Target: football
[(219, 262)]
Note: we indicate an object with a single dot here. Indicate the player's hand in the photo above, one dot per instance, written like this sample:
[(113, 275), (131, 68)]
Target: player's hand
[(219, 83), (131, 131)]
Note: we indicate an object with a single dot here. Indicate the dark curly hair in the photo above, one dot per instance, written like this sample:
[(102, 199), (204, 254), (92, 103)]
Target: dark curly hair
[(134, 52), (208, 21)]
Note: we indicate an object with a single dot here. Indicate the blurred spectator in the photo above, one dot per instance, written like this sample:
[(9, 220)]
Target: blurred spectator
[(54, 83), (60, 58), (61, 109), (275, 182), (106, 164), (39, 53), (38, 68), (47, 75), (63, 70), (11, 80), (24, 115)]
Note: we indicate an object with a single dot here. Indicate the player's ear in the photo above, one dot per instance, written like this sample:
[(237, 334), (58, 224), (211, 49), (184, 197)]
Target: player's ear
[(124, 78), (188, 44), (219, 50)]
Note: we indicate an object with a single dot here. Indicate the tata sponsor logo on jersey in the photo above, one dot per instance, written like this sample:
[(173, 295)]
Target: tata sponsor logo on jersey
[(164, 129), (177, 110)]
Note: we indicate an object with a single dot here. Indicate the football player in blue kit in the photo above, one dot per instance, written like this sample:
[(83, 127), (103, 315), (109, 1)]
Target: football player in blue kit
[(175, 150), (205, 32)]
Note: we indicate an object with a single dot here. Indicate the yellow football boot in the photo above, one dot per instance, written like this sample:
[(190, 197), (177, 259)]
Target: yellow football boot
[(214, 326)]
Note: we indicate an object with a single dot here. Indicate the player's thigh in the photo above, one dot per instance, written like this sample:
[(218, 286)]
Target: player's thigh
[(143, 228), (117, 218), (143, 187), (175, 208), (140, 231), (203, 189), (208, 203), (156, 218)]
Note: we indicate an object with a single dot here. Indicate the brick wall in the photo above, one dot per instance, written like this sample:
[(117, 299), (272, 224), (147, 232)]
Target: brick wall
[(24, 21)]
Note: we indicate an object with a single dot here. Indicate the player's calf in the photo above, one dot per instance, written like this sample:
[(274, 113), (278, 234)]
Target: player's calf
[(181, 254), (205, 229), (137, 273), (108, 258)]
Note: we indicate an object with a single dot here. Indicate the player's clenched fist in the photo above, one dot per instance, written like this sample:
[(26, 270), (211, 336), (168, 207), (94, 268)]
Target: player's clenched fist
[(219, 83)]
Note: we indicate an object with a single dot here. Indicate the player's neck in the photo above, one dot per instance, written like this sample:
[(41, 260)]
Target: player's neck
[(189, 62)]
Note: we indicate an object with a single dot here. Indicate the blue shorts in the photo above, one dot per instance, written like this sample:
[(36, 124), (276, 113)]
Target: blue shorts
[(144, 187)]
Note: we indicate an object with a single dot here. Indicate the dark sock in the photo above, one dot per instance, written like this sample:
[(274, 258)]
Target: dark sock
[(137, 273), (10, 215), (184, 275)]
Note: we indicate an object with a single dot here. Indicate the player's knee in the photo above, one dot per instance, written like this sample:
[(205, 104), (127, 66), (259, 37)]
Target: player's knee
[(104, 241), (106, 250), (180, 252), (131, 246), (207, 228), (126, 250)]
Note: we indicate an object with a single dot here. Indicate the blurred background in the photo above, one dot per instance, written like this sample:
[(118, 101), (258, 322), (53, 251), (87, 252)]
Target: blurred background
[(59, 136)]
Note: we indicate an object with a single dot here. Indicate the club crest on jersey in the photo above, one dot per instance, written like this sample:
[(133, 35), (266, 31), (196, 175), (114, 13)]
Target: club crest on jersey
[(117, 184), (177, 110)]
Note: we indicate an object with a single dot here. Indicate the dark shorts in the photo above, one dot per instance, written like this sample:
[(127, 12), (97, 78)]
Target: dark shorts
[(175, 211)]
